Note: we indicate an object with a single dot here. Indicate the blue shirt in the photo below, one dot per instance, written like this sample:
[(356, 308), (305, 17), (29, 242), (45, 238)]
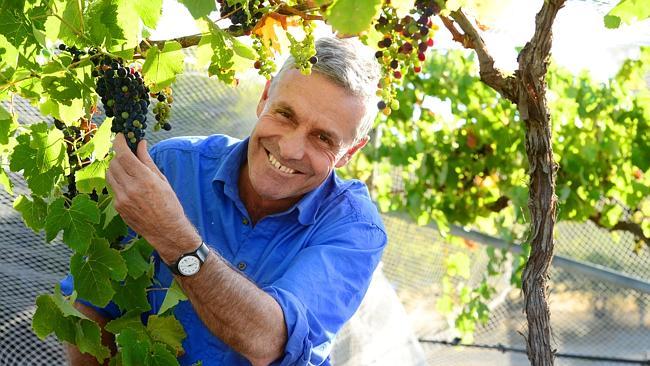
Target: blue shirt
[(315, 259)]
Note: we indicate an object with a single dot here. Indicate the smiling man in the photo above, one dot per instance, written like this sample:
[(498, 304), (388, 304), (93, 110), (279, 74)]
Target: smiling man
[(273, 250)]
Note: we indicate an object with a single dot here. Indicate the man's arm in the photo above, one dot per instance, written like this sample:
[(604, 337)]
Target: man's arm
[(237, 311), (232, 307), (77, 358)]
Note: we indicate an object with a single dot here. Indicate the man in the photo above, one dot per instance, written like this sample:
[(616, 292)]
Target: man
[(285, 248)]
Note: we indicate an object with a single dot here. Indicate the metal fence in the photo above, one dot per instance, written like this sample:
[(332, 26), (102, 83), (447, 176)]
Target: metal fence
[(599, 294)]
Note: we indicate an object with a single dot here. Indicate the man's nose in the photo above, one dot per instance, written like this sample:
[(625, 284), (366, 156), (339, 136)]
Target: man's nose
[(292, 145)]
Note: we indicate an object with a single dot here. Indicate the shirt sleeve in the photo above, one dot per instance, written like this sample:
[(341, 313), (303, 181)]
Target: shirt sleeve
[(323, 288)]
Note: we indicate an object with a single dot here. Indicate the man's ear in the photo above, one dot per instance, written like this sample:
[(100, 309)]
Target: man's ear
[(265, 96), (351, 151)]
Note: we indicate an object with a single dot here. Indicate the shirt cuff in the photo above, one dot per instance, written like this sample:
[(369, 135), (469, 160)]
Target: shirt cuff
[(298, 350), (110, 311)]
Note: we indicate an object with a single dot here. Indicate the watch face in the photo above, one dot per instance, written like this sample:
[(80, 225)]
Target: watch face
[(189, 265)]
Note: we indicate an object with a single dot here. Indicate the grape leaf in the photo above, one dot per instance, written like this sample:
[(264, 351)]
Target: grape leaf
[(134, 347), (131, 320), (352, 16), (161, 356), (88, 339), (612, 21), (14, 24), (33, 212), (150, 11), (49, 146), (101, 17), (42, 184), (76, 222), (130, 293), (111, 225), (8, 125), (93, 271), (92, 176), (137, 256), (174, 295), (100, 144), (627, 11), (25, 158), (6, 182), (161, 67), (53, 316), (55, 313), (242, 49), (168, 330), (199, 8), (70, 28)]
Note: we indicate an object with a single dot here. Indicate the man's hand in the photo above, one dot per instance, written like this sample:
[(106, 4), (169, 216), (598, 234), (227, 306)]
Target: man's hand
[(147, 203)]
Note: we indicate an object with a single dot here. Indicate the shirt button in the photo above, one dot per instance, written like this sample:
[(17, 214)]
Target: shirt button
[(241, 266), (244, 221)]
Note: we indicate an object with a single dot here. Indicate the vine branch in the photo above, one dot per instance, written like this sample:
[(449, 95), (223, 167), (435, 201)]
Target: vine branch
[(490, 75)]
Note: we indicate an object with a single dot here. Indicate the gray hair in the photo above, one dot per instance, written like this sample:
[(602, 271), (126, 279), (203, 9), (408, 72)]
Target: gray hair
[(349, 64)]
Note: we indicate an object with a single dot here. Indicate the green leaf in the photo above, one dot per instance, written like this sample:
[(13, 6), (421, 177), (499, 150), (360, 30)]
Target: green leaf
[(103, 27), (92, 176), (33, 212), (168, 330), (93, 271), (42, 184), (49, 145), (199, 8), (612, 21), (88, 339), (161, 67), (6, 182), (352, 16), (134, 347), (174, 295), (149, 11), (137, 257), (131, 320), (130, 294), (161, 356), (100, 144), (629, 11), (8, 125), (243, 50), (55, 314), (76, 222)]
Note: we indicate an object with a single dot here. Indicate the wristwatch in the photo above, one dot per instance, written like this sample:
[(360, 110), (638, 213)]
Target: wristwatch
[(190, 263)]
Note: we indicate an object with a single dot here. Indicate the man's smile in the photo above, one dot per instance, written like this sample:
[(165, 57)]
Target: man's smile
[(277, 165)]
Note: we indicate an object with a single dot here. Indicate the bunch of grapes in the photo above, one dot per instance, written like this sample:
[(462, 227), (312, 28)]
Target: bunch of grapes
[(243, 16), (162, 109), (403, 47), (124, 97), (304, 52), (75, 137)]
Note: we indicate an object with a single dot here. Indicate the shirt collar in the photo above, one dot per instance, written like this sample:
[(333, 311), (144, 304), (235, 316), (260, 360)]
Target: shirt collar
[(307, 207)]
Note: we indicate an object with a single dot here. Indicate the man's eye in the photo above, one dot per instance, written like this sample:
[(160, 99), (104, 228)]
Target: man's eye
[(324, 138), (284, 114)]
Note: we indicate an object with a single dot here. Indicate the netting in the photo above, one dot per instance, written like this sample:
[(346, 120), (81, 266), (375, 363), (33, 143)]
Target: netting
[(589, 316)]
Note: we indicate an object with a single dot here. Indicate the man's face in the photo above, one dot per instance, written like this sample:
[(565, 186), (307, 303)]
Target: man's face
[(306, 128)]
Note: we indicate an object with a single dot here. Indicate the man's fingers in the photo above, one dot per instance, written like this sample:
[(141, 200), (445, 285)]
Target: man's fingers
[(117, 171), (125, 157), (145, 158)]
